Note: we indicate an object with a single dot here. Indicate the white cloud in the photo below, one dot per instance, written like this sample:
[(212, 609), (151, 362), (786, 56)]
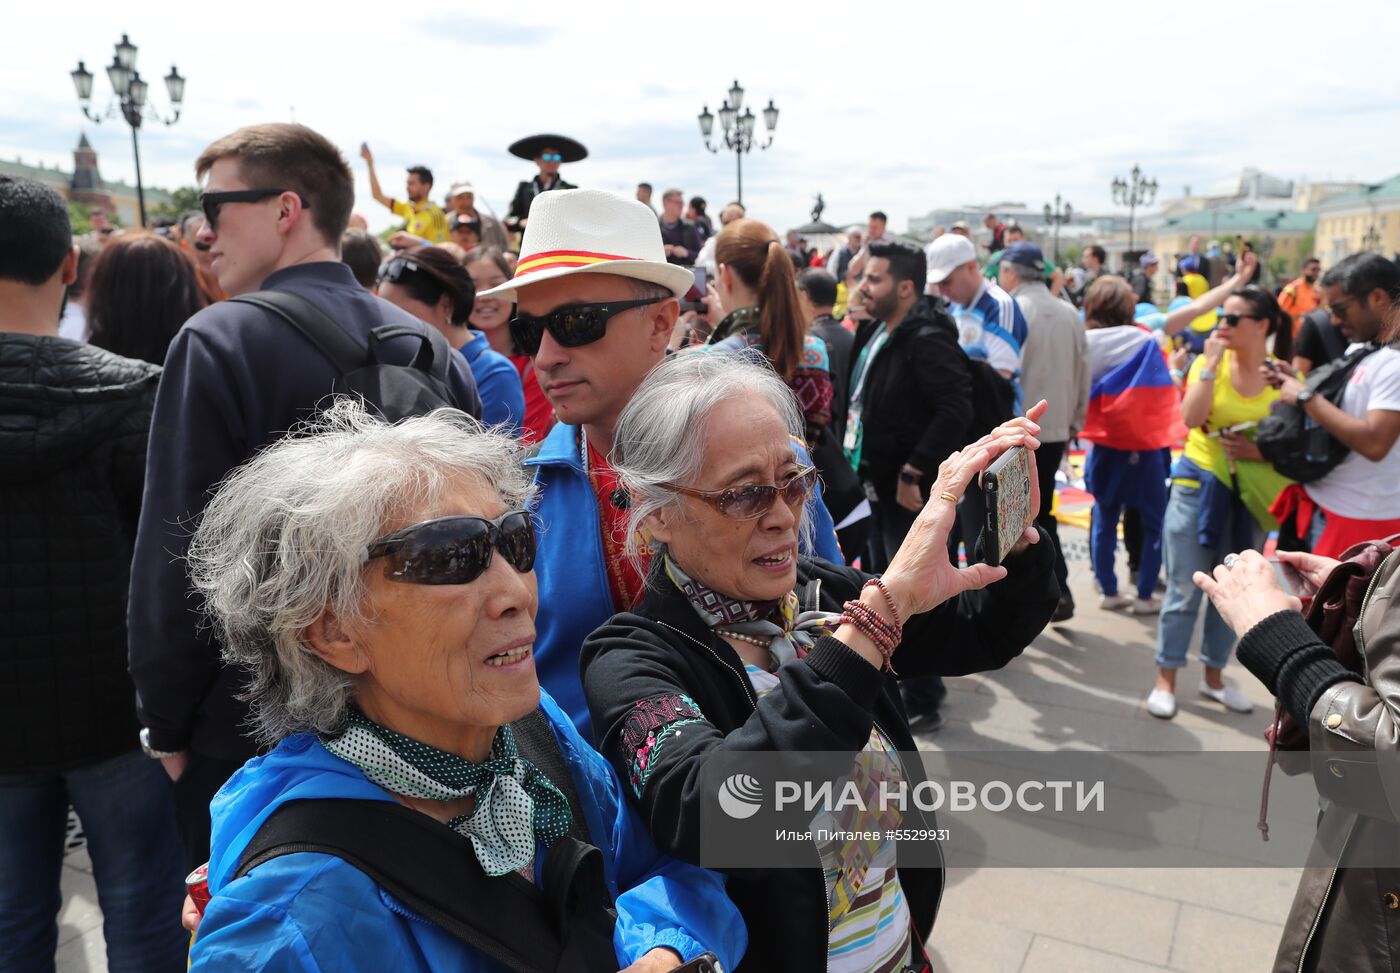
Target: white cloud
[(903, 107)]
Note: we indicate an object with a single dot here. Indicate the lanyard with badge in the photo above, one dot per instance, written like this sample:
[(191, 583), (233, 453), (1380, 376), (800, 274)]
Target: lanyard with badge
[(851, 445)]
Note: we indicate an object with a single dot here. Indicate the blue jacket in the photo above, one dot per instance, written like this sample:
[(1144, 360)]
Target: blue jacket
[(570, 567), (309, 911), (497, 382)]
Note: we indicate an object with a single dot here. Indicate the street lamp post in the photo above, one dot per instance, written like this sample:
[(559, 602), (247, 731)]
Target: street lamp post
[(1132, 194), (737, 129), (1058, 217), (130, 92)]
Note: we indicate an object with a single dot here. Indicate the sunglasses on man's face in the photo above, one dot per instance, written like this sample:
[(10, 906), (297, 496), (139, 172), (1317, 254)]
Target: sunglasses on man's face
[(455, 550), (755, 499), (212, 202), (572, 326), (551, 157)]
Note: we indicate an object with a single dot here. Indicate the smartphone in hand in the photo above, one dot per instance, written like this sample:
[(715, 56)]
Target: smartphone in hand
[(1007, 484)]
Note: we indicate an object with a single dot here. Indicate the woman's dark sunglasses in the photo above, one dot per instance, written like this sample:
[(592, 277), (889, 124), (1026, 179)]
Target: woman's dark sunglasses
[(572, 326), (1233, 320), (455, 550), (211, 202), (756, 499)]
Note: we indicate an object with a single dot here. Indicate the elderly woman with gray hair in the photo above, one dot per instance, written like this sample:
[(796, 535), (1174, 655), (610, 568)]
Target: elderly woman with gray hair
[(424, 806), (741, 644)]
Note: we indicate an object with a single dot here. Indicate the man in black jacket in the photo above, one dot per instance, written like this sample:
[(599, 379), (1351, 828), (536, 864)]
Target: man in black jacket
[(911, 406), (236, 378), (911, 389), (73, 426)]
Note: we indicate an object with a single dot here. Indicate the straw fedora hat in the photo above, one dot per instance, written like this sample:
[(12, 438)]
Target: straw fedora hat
[(590, 231)]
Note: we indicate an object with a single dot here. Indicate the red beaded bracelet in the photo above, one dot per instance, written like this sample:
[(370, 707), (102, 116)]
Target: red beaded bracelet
[(868, 622), (889, 600)]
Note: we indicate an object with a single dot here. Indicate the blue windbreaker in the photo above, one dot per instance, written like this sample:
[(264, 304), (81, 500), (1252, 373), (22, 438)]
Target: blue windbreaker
[(572, 572), (308, 911)]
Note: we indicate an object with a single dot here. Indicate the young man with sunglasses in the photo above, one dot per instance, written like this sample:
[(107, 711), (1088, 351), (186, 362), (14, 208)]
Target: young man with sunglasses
[(276, 200), (596, 302), (1356, 501)]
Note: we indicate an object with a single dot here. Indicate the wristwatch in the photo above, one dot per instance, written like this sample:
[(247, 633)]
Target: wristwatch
[(150, 751), (907, 475), (1305, 396), (1207, 375)]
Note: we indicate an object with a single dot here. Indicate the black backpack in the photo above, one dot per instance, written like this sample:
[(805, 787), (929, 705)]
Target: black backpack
[(564, 927), (393, 391), (993, 398), (1294, 444)]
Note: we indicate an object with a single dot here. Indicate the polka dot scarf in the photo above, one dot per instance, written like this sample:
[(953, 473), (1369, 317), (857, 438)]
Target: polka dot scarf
[(515, 803)]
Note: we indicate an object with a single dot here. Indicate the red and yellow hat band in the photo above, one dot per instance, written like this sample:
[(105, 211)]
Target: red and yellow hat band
[(551, 259)]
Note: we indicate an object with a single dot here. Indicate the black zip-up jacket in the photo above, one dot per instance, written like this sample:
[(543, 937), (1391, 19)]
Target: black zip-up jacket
[(917, 404), (827, 701), (73, 426), (236, 379)]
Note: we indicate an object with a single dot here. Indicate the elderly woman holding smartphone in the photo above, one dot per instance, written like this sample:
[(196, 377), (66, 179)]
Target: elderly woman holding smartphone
[(745, 645), (377, 583), (1343, 918)]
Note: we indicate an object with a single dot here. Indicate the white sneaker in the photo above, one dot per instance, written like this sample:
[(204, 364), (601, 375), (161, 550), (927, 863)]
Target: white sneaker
[(1114, 602), (1231, 697), (1161, 704), (1146, 606)]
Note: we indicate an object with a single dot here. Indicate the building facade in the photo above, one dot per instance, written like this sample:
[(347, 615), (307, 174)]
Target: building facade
[(85, 186), (1364, 219)]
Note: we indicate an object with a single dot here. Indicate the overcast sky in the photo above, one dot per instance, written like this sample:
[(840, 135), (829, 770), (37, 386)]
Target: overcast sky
[(903, 107)]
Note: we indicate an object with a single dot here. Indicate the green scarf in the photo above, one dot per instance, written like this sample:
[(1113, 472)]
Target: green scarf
[(516, 804)]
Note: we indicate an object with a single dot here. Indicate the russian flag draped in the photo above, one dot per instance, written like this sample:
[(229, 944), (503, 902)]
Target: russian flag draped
[(1133, 405)]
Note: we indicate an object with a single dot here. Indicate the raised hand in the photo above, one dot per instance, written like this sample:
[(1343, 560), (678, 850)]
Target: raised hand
[(920, 576)]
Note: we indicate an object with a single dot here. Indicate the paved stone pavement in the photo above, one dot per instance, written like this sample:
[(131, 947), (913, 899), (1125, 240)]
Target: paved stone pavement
[(1082, 685)]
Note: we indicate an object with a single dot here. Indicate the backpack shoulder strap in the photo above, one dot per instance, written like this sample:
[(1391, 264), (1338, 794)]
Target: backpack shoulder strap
[(535, 740), (315, 325), (433, 354), (424, 864)]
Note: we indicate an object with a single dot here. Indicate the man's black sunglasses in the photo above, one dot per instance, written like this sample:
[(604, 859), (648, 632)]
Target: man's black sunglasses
[(211, 202), (455, 550), (572, 326)]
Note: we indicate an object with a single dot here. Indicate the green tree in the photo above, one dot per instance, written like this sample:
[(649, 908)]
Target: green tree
[(182, 200), (78, 216)]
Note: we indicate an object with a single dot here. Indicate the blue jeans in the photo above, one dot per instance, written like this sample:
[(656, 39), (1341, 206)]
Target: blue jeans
[(1120, 480), (1184, 557), (127, 813)]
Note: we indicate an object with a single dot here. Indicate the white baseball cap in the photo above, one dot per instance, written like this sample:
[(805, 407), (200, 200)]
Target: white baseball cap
[(591, 231), (947, 254), (460, 187)]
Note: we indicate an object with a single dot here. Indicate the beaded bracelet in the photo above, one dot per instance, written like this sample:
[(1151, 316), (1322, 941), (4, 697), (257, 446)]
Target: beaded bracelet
[(868, 622), (874, 619), (889, 600)]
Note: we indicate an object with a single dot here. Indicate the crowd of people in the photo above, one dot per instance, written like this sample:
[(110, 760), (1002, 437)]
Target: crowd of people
[(366, 577)]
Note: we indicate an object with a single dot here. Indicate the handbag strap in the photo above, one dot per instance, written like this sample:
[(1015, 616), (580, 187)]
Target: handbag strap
[(425, 865), (535, 740)]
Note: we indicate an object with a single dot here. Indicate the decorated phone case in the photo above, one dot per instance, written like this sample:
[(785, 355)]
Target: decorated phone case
[(1007, 485)]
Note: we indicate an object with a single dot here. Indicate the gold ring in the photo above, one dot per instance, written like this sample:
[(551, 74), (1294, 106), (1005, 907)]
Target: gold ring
[(949, 497)]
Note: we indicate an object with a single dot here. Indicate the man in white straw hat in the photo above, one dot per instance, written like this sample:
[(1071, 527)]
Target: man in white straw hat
[(596, 302)]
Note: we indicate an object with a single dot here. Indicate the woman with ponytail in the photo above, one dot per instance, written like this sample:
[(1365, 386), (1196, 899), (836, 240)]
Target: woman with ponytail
[(757, 290)]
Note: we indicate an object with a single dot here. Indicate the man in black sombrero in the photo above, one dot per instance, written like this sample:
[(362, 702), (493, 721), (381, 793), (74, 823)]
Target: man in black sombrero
[(548, 152)]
